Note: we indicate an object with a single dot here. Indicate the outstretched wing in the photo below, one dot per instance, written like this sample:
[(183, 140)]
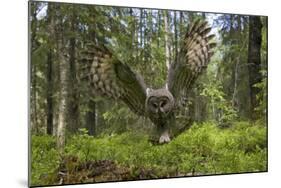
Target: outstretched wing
[(196, 51), (109, 77)]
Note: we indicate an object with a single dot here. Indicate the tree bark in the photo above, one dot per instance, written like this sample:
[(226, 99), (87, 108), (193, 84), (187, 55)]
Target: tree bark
[(50, 93), (234, 99), (145, 36), (176, 34), (140, 55), (254, 60), (62, 85), (167, 41), (191, 17), (62, 103), (91, 118), (33, 93), (181, 25), (150, 34), (133, 28), (50, 59), (235, 73), (73, 102), (158, 28)]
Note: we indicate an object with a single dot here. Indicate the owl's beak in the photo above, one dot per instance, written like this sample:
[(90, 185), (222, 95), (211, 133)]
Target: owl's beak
[(156, 110)]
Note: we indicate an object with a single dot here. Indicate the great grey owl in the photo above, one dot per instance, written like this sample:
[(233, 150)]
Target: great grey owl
[(109, 77)]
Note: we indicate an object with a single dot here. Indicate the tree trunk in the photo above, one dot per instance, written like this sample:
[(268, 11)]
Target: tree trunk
[(62, 103), (181, 25), (234, 95), (63, 87), (167, 41), (197, 112), (34, 124), (140, 55), (73, 102), (91, 118), (235, 74), (254, 60), (133, 28), (150, 35), (50, 93), (33, 102), (176, 35), (158, 28), (203, 15), (145, 36), (50, 79), (191, 17)]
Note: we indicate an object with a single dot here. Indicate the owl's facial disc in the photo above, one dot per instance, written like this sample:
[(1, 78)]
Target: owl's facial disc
[(163, 101), (153, 105), (159, 105)]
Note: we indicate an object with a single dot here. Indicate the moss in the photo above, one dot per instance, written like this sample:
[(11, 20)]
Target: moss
[(203, 149)]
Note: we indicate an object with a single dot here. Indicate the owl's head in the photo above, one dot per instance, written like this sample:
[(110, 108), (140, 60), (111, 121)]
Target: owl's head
[(159, 108), (159, 102)]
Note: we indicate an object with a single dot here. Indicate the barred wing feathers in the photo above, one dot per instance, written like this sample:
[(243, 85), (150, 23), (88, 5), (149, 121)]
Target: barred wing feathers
[(194, 56), (109, 77)]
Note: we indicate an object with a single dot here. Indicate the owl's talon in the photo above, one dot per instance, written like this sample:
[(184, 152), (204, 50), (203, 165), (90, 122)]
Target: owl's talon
[(164, 138)]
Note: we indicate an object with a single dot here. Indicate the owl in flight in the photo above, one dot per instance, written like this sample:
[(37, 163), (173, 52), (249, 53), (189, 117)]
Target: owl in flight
[(107, 76)]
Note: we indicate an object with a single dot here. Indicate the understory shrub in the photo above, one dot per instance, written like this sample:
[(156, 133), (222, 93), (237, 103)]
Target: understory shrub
[(203, 149)]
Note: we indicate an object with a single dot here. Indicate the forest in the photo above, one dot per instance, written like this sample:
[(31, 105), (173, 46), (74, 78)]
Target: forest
[(80, 137)]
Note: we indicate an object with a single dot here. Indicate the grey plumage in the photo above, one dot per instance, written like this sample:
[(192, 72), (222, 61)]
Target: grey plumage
[(114, 79)]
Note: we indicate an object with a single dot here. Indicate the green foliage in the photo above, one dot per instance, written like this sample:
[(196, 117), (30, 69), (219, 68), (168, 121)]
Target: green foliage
[(119, 119), (203, 149), (45, 158), (262, 96), (221, 108)]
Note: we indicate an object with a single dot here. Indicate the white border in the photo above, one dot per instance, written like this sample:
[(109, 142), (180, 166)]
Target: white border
[(13, 99)]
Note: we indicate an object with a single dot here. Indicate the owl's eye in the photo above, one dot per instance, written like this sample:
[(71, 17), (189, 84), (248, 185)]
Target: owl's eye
[(163, 103), (155, 105)]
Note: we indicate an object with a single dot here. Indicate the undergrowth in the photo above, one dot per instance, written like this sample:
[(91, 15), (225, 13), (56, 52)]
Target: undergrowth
[(203, 149)]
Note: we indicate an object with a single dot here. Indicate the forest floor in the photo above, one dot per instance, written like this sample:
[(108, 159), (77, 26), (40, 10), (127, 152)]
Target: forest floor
[(202, 150)]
